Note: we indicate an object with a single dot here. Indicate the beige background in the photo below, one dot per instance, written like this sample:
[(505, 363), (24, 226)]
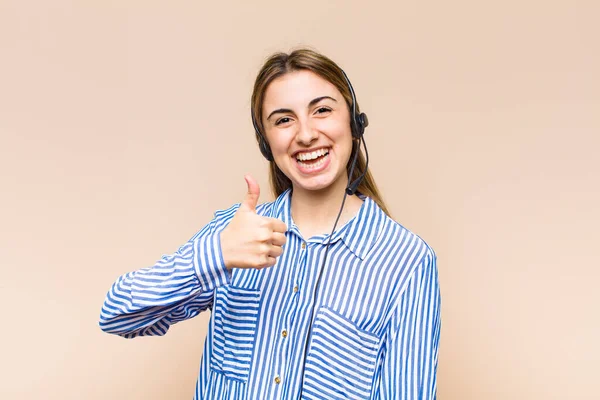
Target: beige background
[(125, 124)]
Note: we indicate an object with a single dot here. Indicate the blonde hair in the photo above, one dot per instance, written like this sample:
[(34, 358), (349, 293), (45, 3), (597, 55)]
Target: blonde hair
[(280, 64)]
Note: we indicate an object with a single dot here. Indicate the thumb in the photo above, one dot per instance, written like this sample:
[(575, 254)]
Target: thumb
[(252, 195)]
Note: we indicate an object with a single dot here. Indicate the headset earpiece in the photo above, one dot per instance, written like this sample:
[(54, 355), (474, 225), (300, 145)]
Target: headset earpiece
[(364, 121), (265, 149), (360, 122), (262, 142)]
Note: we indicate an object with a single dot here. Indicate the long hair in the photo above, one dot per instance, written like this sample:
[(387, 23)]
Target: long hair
[(280, 64)]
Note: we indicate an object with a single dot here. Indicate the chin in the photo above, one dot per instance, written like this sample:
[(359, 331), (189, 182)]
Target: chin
[(317, 183)]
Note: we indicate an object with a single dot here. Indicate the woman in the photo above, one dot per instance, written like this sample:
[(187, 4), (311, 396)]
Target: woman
[(299, 311)]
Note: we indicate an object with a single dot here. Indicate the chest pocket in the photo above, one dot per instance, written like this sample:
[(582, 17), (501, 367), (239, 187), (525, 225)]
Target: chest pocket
[(234, 331), (341, 359)]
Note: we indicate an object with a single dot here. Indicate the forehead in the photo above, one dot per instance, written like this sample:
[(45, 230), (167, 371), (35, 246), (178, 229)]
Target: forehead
[(296, 89)]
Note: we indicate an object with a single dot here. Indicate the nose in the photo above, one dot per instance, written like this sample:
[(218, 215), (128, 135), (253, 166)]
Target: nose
[(306, 134)]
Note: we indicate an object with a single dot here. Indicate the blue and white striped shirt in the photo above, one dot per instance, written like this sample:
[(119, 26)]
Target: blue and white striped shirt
[(376, 323)]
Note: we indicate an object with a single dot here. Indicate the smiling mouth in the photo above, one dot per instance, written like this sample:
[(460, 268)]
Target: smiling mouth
[(312, 155), (313, 159)]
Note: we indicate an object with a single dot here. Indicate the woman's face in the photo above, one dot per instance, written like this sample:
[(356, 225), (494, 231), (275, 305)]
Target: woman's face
[(307, 125)]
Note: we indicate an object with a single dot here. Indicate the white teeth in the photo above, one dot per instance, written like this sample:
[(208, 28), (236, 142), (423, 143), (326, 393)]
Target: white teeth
[(312, 155), (313, 165)]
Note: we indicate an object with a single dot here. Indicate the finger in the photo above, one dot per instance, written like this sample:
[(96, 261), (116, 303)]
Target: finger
[(278, 239), (251, 198), (270, 261), (266, 261), (275, 251), (277, 225)]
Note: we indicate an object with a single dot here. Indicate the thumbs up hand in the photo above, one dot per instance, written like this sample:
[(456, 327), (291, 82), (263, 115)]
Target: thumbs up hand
[(250, 240)]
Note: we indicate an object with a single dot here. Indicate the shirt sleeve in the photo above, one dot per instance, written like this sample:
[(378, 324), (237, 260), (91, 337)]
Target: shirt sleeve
[(179, 286), (410, 367)]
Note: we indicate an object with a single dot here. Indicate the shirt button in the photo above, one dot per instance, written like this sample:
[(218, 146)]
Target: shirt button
[(284, 333), (296, 289), (277, 380), (303, 245)]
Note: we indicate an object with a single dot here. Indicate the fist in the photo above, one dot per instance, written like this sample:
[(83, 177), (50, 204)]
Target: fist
[(250, 240)]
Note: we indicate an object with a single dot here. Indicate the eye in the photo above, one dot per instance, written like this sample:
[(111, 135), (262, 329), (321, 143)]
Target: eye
[(322, 110), (283, 120)]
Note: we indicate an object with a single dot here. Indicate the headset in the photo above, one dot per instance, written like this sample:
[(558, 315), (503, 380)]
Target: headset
[(358, 123)]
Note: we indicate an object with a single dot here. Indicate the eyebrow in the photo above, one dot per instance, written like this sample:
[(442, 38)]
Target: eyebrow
[(310, 104)]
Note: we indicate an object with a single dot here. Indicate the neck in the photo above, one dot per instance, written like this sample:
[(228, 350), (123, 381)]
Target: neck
[(314, 212)]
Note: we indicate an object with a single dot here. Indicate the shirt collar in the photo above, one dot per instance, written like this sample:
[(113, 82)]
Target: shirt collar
[(359, 234)]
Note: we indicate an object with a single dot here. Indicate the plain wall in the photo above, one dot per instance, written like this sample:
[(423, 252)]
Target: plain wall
[(125, 124)]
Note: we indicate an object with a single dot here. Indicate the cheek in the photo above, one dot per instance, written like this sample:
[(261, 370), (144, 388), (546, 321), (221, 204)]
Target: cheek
[(338, 131), (341, 135), (279, 141)]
